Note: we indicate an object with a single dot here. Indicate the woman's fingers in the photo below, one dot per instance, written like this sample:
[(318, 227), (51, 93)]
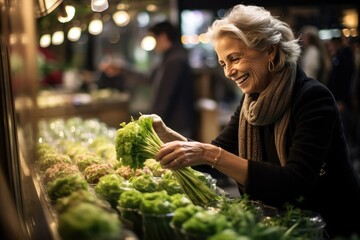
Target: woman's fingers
[(171, 154)]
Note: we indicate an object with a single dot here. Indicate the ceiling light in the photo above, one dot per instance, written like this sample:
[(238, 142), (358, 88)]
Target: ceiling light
[(70, 13), (121, 18), (45, 40), (99, 5), (74, 34), (95, 27), (57, 38)]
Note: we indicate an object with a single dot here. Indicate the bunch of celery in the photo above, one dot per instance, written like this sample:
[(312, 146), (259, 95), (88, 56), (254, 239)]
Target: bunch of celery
[(137, 141)]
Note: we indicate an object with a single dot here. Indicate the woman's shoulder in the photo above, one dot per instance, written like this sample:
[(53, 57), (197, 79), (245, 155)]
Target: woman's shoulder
[(310, 94), (306, 87)]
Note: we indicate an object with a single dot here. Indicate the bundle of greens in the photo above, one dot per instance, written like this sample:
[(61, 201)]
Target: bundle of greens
[(137, 141)]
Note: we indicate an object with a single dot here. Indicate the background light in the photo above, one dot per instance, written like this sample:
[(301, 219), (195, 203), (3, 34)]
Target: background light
[(74, 34), (70, 13), (45, 40), (95, 27), (99, 5), (57, 38), (148, 43), (121, 18)]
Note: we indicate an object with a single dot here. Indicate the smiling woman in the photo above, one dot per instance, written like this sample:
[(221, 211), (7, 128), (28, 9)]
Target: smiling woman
[(284, 143)]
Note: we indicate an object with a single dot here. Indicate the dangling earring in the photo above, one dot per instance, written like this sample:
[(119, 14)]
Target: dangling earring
[(271, 66)]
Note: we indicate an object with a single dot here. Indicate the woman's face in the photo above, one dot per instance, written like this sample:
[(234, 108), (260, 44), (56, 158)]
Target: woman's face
[(247, 67)]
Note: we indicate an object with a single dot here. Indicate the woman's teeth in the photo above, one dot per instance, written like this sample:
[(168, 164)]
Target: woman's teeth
[(242, 79)]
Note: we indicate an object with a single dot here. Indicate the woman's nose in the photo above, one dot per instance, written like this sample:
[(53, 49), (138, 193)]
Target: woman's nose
[(230, 72)]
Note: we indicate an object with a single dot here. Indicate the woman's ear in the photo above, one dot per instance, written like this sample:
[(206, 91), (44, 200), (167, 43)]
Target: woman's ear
[(272, 50)]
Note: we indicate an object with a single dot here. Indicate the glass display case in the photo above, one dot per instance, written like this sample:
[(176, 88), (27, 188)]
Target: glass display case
[(25, 209)]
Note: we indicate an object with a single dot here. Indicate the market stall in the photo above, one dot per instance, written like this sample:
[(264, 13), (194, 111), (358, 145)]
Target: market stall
[(92, 192)]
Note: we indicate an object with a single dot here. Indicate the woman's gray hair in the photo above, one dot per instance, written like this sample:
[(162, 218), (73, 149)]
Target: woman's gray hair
[(258, 29)]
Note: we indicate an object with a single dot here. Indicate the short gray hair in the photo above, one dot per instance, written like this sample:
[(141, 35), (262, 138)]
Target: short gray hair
[(258, 29)]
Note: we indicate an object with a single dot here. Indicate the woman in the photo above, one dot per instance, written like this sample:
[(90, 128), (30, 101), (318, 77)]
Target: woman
[(285, 142)]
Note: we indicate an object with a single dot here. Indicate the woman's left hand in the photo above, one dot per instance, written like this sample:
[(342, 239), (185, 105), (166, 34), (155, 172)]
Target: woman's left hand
[(180, 154)]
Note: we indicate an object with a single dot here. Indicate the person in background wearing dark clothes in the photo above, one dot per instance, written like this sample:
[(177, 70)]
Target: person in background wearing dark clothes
[(172, 81), (340, 81), (284, 143), (112, 74), (314, 59)]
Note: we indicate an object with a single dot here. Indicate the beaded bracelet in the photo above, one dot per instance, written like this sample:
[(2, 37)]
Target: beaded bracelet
[(217, 158)]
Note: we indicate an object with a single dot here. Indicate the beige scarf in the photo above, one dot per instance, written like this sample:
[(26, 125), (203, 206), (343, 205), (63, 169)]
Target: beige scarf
[(272, 106)]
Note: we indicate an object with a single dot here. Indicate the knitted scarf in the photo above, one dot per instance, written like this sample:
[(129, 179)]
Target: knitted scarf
[(271, 106)]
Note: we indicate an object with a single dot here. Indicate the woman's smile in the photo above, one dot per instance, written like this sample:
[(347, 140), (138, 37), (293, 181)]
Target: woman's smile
[(239, 81)]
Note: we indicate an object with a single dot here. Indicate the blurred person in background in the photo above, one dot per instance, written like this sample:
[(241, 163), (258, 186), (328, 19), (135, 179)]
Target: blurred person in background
[(112, 74), (355, 44), (314, 59), (172, 81), (284, 143), (340, 82)]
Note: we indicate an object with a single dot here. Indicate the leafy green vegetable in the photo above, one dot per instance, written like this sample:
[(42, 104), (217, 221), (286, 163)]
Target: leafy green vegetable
[(130, 199), (182, 214), (95, 171), (206, 223), (155, 167), (228, 234), (157, 210), (86, 159), (109, 187), (62, 187), (90, 222), (179, 200), (244, 216), (77, 197), (171, 186), (301, 223), (156, 203), (144, 183), (137, 141)]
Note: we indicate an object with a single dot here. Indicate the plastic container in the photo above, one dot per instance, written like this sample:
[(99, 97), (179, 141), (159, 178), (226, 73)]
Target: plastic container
[(132, 220), (310, 225), (157, 226), (303, 224)]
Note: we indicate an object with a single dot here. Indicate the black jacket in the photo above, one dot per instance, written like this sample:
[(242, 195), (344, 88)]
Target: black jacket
[(318, 169), (174, 98)]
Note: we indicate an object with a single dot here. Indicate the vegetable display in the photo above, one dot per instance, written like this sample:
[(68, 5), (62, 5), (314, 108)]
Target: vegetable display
[(137, 141), (90, 193)]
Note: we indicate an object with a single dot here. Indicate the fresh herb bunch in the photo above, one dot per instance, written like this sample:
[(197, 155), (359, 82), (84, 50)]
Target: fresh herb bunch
[(137, 141)]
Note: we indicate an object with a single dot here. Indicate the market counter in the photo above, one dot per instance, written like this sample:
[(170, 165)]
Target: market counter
[(109, 107)]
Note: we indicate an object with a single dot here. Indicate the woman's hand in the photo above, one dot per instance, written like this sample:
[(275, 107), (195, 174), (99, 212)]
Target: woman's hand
[(165, 133), (180, 154)]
